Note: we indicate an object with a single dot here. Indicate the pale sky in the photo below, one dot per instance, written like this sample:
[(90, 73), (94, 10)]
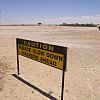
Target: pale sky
[(49, 11)]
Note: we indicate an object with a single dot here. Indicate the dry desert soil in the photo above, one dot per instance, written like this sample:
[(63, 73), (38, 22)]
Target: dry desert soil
[(38, 81)]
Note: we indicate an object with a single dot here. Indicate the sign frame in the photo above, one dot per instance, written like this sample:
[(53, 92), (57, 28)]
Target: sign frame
[(57, 49)]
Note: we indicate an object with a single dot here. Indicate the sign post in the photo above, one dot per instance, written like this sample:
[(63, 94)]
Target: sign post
[(17, 56), (63, 76), (52, 55)]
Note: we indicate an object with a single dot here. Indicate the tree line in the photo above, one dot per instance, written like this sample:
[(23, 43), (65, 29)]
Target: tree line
[(77, 24)]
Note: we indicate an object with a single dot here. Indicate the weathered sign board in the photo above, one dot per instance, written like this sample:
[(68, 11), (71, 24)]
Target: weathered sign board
[(52, 55), (48, 54)]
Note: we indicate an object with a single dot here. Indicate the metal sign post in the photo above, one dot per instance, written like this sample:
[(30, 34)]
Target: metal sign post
[(17, 56), (63, 75), (62, 91)]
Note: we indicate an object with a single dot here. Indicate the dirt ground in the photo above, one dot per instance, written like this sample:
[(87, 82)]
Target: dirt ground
[(41, 82)]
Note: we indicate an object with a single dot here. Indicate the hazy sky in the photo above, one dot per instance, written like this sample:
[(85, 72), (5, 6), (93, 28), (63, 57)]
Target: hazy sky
[(49, 11)]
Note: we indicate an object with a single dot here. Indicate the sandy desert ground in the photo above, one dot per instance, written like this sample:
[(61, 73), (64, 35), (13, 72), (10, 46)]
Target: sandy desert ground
[(41, 82)]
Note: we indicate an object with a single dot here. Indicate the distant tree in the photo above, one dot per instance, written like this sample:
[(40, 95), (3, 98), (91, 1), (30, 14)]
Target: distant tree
[(23, 25), (83, 25), (39, 24)]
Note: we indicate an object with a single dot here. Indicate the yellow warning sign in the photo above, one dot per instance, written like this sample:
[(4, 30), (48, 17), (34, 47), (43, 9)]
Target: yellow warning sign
[(44, 53)]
